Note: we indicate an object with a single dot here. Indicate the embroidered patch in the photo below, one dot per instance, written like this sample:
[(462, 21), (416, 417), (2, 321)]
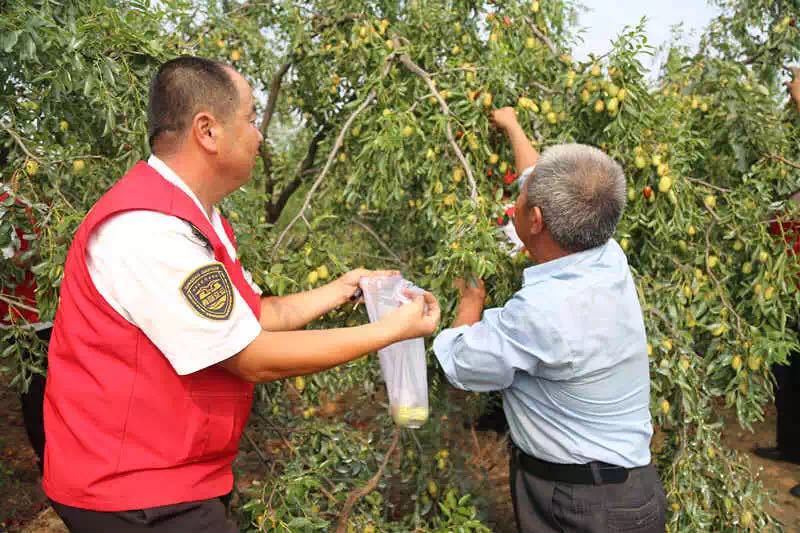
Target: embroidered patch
[(209, 291)]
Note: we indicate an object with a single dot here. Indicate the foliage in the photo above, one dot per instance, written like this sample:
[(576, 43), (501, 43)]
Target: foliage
[(364, 104)]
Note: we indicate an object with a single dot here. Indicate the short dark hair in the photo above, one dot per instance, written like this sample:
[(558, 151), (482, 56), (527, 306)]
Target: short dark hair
[(183, 87)]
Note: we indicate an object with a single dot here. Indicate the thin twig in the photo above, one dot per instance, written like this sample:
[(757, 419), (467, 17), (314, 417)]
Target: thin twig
[(21, 144), (248, 5), (256, 448), (327, 493), (664, 318), (457, 69), (709, 185), (383, 245), (382, 258), (366, 489), (15, 303), (413, 67), (713, 214), (276, 429), (331, 156), (542, 87), (542, 37), (474, 434), (784, 160), (274, 209), (681, 444), (716, 281), (274, 89), (269, 111), (72, 157)]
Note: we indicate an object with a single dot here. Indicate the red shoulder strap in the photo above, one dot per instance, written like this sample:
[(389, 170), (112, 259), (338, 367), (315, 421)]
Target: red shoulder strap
[(229, 231)]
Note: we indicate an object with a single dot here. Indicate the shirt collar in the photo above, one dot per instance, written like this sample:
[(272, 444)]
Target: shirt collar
[(537, 273), (170, 175)]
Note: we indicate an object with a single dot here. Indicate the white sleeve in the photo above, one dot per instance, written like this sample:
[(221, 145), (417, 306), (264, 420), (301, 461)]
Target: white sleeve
[(527, 172), (249, 278), (141, 262)]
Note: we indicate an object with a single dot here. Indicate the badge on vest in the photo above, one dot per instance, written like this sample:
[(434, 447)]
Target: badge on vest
[(209, 291)]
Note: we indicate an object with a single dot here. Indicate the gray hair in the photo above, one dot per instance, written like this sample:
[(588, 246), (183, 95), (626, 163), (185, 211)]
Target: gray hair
[(581, 193)]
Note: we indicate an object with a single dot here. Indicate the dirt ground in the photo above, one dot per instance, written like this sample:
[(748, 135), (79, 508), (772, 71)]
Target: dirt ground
[(21, 498), (777, 476), (23, 507)]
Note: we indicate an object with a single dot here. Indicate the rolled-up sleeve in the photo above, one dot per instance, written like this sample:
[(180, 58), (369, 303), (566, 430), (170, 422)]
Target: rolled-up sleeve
[(485, 356)]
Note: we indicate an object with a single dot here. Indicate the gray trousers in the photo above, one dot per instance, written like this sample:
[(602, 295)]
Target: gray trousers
[(540, 506)]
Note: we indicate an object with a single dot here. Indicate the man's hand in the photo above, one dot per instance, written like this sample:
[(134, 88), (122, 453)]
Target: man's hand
[(418, 318), (504, 118), (470, 293), (525, 155), (794, 86), (348, 283), (471, 300)]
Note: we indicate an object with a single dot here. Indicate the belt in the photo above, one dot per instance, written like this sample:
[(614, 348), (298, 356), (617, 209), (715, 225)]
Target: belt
[(594, 473)]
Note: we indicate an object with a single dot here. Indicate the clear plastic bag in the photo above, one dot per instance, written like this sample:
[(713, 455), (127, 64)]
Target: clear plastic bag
[(402, 363)]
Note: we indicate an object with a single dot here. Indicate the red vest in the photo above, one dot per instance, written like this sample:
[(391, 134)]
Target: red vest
[(25, 290), (124, 431)]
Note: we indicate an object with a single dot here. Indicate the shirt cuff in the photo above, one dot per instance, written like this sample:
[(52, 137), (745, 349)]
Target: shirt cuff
[(527, 172), (443, 346)]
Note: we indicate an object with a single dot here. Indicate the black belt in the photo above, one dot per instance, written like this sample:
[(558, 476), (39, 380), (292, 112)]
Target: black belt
[(594, 473)]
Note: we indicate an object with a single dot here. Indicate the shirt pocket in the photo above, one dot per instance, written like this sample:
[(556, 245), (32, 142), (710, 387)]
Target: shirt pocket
[(645, 518), (223, 421), (223, 403)]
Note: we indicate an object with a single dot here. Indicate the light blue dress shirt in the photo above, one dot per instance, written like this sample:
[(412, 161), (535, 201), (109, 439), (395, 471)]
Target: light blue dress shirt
[(569, 353)]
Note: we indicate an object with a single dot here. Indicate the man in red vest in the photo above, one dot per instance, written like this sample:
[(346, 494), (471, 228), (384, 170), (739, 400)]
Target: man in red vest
[(787, 377), (18, 307), (160, 333)]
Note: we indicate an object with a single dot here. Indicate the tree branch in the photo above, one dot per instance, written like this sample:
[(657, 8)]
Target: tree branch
[(713, 214), (542, 87), (383, 245), (413, 67), (783, 160), (664, 318), (325, 23), (366, 489), (269, 111), (256, 448), (542, 37), (274, 209), (21, 144), (15, 303), (338, 144), (716, 281), (701, 182), (274, 89)]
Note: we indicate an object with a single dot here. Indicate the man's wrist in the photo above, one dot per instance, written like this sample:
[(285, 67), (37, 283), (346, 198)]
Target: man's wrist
[(340, 292), (388, 331), (513, 127), (471, 306)]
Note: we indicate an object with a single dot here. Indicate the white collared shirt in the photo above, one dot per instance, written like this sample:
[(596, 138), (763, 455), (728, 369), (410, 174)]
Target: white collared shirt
[(138, 261)]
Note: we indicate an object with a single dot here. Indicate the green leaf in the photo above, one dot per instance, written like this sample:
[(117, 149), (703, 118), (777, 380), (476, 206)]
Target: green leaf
[(8, 40)]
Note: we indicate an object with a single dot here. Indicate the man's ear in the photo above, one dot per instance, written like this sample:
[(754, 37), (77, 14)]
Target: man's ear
[(537, 221), (206, 131)]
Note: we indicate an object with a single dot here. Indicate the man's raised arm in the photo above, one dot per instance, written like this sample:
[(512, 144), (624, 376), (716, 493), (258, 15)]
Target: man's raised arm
[(794, 87), (525, 155)]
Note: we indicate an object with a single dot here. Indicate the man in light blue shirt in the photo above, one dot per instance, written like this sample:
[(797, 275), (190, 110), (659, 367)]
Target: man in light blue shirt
[(568, 351)]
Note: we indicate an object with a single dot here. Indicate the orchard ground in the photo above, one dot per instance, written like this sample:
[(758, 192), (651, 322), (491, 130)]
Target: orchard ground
[(23, 507)]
